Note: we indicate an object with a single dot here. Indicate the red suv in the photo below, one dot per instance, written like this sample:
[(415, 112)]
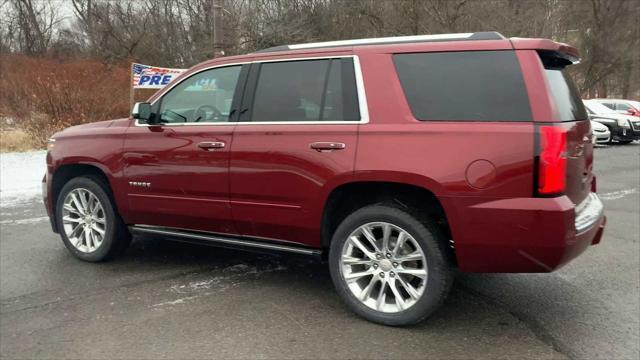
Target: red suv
[(397, 159)]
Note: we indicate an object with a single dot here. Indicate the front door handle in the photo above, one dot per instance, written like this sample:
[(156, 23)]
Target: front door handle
[(211, 145), (327, 146)]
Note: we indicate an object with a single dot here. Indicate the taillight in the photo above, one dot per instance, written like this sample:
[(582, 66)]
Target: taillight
[(552, 167)]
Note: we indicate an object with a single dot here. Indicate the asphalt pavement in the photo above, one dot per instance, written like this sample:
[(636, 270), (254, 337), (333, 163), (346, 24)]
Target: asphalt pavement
[(164, 299)]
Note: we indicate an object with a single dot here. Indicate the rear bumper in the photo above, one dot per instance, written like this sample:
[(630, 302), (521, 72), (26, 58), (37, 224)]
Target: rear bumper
[(525, 234)]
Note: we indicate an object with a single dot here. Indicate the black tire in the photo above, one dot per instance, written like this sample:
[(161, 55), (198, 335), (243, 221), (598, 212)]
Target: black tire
[(427, 235), (116, 237)]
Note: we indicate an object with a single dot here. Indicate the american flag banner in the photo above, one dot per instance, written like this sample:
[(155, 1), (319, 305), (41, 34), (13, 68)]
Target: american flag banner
[(152, 77)]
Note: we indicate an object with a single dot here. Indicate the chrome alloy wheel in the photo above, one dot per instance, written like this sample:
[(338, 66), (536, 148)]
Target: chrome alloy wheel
[(384, 267), (84, 220)]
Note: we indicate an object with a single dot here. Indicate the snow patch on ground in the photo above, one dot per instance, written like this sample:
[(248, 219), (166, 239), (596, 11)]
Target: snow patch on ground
[(233, 275), (615, 195), (24, 221), (21, 177)]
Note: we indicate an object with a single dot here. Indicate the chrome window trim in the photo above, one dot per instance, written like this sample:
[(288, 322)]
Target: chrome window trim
[(357, 69)]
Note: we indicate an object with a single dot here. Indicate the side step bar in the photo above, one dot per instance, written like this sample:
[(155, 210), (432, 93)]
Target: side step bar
[(223, 240)]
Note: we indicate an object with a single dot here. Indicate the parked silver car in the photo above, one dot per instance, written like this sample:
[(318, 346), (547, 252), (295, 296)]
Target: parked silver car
[(601, 133)]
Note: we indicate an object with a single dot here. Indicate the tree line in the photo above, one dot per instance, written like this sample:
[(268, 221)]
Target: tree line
[(180, 33)]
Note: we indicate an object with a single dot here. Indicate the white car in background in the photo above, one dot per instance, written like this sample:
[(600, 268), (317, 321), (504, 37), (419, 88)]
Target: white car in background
[(623, 128), (621, 106), (601, 133)]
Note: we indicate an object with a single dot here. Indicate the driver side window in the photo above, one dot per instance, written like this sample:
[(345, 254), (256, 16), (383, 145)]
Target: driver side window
[(204, 97)]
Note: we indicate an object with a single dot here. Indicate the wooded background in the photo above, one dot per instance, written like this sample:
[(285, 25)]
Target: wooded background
[(55, 52)]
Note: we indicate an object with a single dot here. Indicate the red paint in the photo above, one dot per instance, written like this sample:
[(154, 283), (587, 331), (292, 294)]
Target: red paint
[(269, 181)]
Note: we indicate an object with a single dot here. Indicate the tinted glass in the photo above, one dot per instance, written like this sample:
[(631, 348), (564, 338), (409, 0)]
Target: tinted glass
[(466, 85), (622, 106), (309, 90), (565, 95), (204, 97)]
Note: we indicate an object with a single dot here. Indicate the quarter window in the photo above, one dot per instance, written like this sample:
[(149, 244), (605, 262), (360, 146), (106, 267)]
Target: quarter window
[(464, 86), (306, 90), (204, 97)]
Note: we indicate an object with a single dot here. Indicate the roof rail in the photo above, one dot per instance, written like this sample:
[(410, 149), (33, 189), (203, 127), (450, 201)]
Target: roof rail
[(485, 35)]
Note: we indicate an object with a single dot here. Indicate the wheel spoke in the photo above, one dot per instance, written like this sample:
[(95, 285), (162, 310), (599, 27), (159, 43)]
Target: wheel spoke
[(97, 239), (408, 288), (355, 276), (398, 297), (414, 256), (93, 204), (386, 234), (367, 290), (77, 203), (69, 219), (87, 238), (83, 199), (421, 273), (357, 243), (370, 237), (382, 295), (71, 209), (98, 230), (75, 231), (79, 239), (350, 260), (402, 237)]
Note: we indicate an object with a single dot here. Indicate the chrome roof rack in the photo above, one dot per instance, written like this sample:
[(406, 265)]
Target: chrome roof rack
[(485, 35)]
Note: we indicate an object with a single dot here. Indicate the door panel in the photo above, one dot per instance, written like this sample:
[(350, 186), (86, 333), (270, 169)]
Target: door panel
[(178, 168), (296, 139), (277, 180), (188, 184)]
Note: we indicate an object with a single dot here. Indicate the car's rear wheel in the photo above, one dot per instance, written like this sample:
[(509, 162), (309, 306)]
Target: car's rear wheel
[(88, 222), (388, 266)]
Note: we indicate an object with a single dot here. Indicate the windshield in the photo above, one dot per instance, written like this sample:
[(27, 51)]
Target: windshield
[(635, 104), (597, 108)]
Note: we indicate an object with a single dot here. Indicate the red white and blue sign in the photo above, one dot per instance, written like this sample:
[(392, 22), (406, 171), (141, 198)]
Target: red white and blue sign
[(152, 77)]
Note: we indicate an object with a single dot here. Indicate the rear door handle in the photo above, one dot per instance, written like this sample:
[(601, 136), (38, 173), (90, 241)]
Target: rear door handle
[(327, 146), (211, 145)]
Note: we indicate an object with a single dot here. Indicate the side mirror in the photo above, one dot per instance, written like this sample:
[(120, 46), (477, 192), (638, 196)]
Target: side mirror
[(142, 111)]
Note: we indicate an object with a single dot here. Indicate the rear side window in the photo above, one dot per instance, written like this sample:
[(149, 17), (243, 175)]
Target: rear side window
[(565, 95), (306, 90), (464, 86)]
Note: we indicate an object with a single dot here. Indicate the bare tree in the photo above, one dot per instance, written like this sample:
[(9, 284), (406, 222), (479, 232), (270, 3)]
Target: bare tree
[(181, 32), (33, 25)]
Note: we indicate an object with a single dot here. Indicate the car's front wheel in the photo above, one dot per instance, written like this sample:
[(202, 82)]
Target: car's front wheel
[(388, 266), (88, 222)]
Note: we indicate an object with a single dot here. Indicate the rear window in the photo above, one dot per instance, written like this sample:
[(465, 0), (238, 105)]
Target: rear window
[(464, 86), (565, 95)]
